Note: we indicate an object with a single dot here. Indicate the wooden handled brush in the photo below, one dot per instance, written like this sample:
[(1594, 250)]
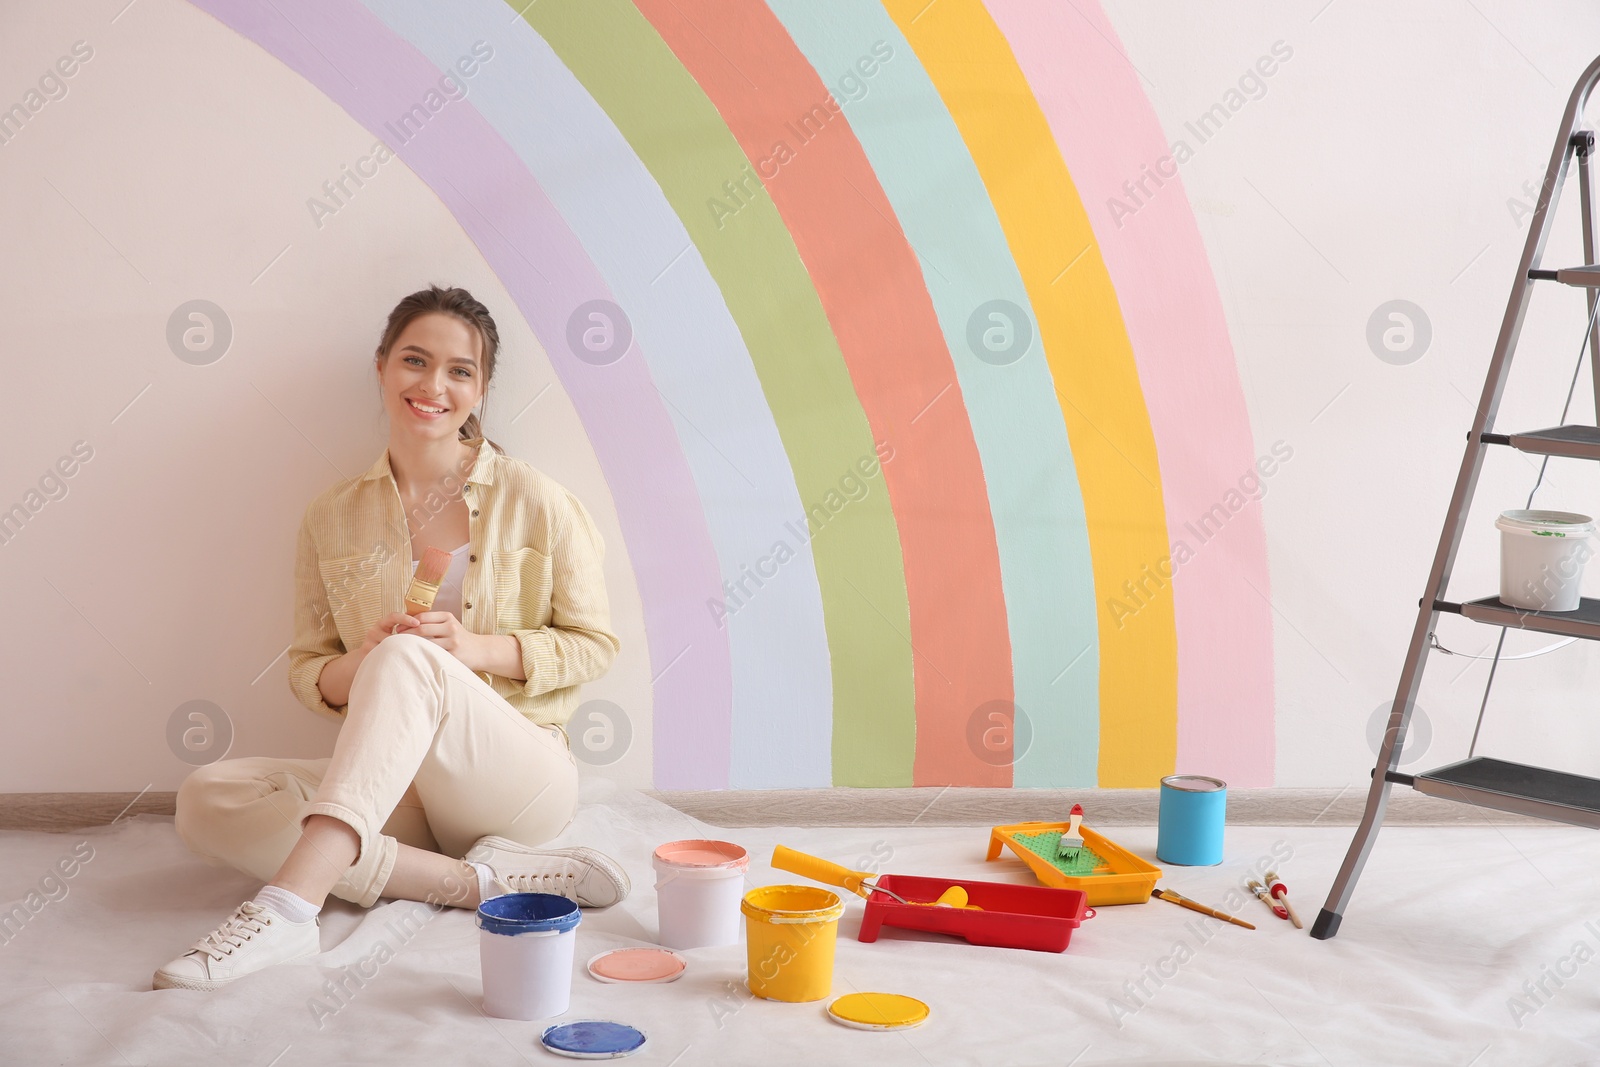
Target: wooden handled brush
[(1071, 839), (1184, 902), (425, 583), (1266, 898)]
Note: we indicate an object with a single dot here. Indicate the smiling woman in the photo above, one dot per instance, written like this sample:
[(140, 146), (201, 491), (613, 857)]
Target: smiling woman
[(435, 360), (451, 763)]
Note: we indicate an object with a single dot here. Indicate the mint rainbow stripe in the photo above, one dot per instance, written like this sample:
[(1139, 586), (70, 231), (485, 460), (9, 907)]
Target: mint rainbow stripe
[(1087, 346), (939, 199), (794, 332)]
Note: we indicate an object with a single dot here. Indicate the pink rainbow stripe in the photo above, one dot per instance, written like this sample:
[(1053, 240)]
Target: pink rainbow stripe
[(1106, 131)]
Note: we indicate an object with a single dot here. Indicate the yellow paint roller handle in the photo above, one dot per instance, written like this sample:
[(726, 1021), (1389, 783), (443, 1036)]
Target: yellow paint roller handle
[(818, 869)]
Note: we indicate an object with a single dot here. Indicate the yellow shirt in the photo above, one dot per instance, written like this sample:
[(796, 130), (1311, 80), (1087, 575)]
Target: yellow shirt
[(534, 572)]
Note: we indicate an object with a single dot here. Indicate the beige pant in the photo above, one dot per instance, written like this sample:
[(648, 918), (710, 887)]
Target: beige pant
[(428, 755)]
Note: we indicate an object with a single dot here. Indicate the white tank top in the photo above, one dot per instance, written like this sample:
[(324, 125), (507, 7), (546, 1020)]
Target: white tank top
[(449, 598)]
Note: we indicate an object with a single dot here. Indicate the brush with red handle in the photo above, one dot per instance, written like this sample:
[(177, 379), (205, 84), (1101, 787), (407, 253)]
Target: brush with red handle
[(1266, 898), (1280, 892)]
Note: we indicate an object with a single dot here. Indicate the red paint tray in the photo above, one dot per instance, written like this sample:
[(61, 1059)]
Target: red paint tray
[(1013, 916)]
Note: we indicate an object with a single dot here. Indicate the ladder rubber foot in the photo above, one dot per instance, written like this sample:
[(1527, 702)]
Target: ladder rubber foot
[(1326, 926)]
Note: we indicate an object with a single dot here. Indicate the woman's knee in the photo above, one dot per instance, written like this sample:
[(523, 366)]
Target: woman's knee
[(399, 645), (391, 650), (194, 797), (205, 797)]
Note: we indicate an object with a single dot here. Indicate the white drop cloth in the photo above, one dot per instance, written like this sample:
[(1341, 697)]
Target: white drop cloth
[(1445, 927)]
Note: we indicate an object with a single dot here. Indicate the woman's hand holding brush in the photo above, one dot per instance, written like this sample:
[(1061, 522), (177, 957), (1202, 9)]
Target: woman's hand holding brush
[(446, 631), (392, 623), (495, 653), (338, 674)]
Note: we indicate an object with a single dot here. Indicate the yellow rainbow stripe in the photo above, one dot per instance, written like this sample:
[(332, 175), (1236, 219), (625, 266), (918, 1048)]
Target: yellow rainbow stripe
[(1091, 359)]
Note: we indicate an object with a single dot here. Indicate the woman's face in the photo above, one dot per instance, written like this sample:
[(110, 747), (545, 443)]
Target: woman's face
[(435, 363)]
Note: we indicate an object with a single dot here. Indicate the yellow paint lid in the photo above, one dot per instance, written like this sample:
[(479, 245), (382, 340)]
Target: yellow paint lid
[(878, 1011)]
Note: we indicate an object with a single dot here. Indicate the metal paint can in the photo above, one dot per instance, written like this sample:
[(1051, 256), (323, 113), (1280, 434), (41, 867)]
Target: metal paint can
[(1193, 811)]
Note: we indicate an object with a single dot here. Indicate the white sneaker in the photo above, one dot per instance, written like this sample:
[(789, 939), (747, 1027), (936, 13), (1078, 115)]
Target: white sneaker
[(591, 878), (252, 938)]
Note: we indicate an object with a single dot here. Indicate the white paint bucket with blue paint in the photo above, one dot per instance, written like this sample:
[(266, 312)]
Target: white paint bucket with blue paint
[(525, 948)]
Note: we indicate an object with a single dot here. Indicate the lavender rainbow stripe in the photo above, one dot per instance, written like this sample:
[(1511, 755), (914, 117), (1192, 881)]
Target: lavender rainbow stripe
[(920, 160), (782, 677), (479, 178), (1106, 129)]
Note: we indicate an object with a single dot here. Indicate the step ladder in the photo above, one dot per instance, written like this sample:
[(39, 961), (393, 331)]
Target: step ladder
[(1492, 783)]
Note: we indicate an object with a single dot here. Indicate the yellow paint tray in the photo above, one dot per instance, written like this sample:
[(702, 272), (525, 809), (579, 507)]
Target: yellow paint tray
[(1129, 881)]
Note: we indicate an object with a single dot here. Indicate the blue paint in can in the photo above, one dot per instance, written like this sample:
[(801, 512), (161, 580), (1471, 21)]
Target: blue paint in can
[(1193, 811)]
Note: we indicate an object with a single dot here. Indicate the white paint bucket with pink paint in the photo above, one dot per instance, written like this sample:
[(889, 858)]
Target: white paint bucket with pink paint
[(699, 885)]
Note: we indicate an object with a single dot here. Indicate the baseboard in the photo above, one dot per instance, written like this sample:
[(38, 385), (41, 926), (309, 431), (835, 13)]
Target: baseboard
[(75, 811), (1106, 807), (882, 807)]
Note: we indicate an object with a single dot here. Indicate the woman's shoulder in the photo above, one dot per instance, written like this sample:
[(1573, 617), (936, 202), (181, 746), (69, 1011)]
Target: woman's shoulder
[(517, 476), (338, 500), (536, 510)]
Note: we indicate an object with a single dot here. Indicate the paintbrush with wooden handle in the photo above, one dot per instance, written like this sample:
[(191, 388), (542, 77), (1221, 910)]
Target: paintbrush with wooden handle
[(1071, 839), (1184, 902), (425, 582)]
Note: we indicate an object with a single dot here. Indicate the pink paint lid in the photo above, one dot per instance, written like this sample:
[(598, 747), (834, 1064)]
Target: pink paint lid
[(638, 965), (703, 854)]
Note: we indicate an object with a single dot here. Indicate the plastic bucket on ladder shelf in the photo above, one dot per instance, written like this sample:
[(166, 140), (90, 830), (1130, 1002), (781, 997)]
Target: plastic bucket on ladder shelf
[(1542, 554)]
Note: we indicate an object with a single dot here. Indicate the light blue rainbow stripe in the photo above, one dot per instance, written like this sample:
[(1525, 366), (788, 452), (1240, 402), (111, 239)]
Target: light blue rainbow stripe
[(939, 199)]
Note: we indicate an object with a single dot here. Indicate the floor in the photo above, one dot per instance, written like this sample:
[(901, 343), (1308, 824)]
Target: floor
[(1463, 946)]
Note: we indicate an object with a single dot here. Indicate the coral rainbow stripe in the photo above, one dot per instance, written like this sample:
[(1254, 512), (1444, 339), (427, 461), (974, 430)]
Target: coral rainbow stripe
[(871, 288)]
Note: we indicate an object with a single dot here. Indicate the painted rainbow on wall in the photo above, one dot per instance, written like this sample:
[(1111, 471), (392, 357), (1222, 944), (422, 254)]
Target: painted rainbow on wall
[(869, 276)]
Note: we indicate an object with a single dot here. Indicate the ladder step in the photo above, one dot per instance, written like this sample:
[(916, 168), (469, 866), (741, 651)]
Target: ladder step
[(1516, 787), (1584, 622), (1586, 276), (1578, 442)]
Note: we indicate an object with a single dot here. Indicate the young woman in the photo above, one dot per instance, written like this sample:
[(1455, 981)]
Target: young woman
[(451, 762)]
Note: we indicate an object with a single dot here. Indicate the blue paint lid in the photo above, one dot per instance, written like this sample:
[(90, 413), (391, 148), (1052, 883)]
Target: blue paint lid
[(528, 913), (593, 1039)]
